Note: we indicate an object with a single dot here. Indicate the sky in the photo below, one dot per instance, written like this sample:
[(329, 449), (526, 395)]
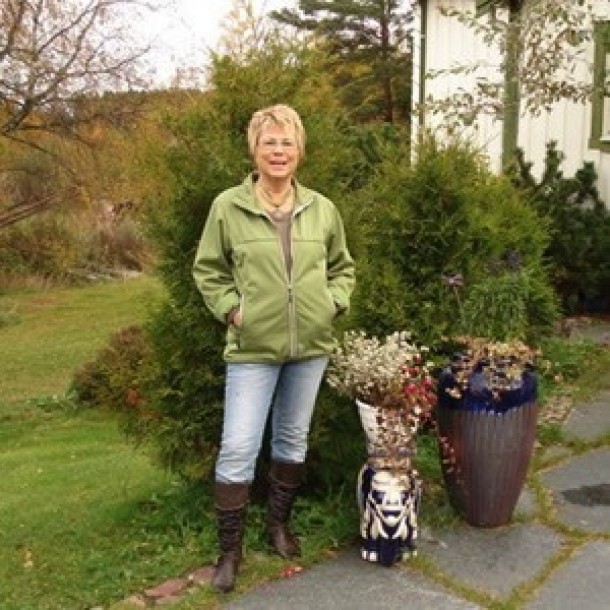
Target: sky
[(183, 34)]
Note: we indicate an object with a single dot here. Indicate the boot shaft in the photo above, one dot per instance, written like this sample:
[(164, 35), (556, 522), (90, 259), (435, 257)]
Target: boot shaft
[(286, 474), (231, 496), (231, 525), (231, 500), (284, 483)]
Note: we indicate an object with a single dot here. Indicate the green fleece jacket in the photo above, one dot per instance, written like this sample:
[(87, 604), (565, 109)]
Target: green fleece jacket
[(240, 263)]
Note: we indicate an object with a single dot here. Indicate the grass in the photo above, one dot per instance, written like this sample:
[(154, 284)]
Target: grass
[(81, 517), (53, 332), (84, 519)]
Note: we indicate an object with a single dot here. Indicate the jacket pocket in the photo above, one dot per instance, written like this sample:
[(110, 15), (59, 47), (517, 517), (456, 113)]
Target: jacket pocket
[(332, 307)]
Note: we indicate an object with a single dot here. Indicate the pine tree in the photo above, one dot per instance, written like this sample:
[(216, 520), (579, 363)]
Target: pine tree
[(370, 49)]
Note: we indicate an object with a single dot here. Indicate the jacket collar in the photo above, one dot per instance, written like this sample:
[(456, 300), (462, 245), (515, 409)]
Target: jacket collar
[(246, 198)]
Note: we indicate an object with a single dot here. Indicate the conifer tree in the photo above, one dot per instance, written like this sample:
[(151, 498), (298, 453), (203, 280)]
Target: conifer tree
[(370, 50)]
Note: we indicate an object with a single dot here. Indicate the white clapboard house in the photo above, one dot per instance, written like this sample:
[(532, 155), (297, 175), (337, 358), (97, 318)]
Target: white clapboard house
[(581, 130)]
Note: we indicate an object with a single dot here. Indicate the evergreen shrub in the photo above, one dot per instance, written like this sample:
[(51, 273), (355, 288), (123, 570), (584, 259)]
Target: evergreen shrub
[(579, 249), (117, 378), (509, 304), (445, 215), (408, 225)]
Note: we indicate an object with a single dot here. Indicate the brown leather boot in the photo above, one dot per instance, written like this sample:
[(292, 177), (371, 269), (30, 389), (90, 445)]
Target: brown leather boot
[(284, 482), (231, 502)]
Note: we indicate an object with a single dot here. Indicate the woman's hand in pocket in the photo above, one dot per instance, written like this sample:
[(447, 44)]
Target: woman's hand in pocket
[(234, 317)]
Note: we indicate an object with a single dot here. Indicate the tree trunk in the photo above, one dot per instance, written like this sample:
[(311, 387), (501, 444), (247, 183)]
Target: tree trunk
[(511, 104), (388, 95)]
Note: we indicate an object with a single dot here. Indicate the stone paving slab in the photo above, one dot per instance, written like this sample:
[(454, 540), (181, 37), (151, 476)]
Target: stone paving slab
[(591, 420), (556, 453), (527, 506), (348, 582), (581, 491), (494, 560), (581, 583)]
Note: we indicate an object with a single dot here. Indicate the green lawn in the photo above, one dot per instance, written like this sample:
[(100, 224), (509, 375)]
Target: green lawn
[(85, 520), (51, 333), (77, 515)]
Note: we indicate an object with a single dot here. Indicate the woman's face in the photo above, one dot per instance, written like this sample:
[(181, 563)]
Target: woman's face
[(277, 153)]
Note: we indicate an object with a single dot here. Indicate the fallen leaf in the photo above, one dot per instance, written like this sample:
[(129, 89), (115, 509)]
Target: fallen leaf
[(291, 571), (29, 561)]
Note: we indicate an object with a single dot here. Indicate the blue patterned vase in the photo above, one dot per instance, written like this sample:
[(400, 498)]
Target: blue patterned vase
[(389, 505), (389, 489)]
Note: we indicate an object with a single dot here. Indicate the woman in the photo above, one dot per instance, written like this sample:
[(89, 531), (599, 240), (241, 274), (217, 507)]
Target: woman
[(273, 265)]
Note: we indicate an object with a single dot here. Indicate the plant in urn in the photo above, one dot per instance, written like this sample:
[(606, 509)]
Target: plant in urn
[(389, 380)]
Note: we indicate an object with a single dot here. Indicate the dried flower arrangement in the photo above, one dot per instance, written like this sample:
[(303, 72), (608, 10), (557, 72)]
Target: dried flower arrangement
[(390, 380), (389, 372)]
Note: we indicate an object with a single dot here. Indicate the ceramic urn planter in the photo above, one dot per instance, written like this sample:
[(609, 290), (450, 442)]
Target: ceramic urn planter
[(486, 439)]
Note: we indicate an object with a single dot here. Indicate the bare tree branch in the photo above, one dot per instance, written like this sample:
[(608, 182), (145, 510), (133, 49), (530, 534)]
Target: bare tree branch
[(13, 215), (57, 59), (52, 51)]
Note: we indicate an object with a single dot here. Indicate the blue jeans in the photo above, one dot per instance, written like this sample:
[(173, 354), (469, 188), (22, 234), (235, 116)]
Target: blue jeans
[(290, 389)]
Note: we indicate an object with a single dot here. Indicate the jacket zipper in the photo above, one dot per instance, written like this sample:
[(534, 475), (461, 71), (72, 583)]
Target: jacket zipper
[(292, 317), (292, 309), (293, 346), (292, 330)]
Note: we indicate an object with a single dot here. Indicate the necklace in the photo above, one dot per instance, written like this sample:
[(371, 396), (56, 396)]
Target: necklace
[(273, 206)]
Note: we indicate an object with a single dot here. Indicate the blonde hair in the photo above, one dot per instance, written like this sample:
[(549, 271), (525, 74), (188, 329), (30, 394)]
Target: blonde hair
[(280, 114)]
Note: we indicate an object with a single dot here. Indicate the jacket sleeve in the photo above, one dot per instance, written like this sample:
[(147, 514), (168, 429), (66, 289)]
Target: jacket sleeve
[(212, 268), (340, 265)]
